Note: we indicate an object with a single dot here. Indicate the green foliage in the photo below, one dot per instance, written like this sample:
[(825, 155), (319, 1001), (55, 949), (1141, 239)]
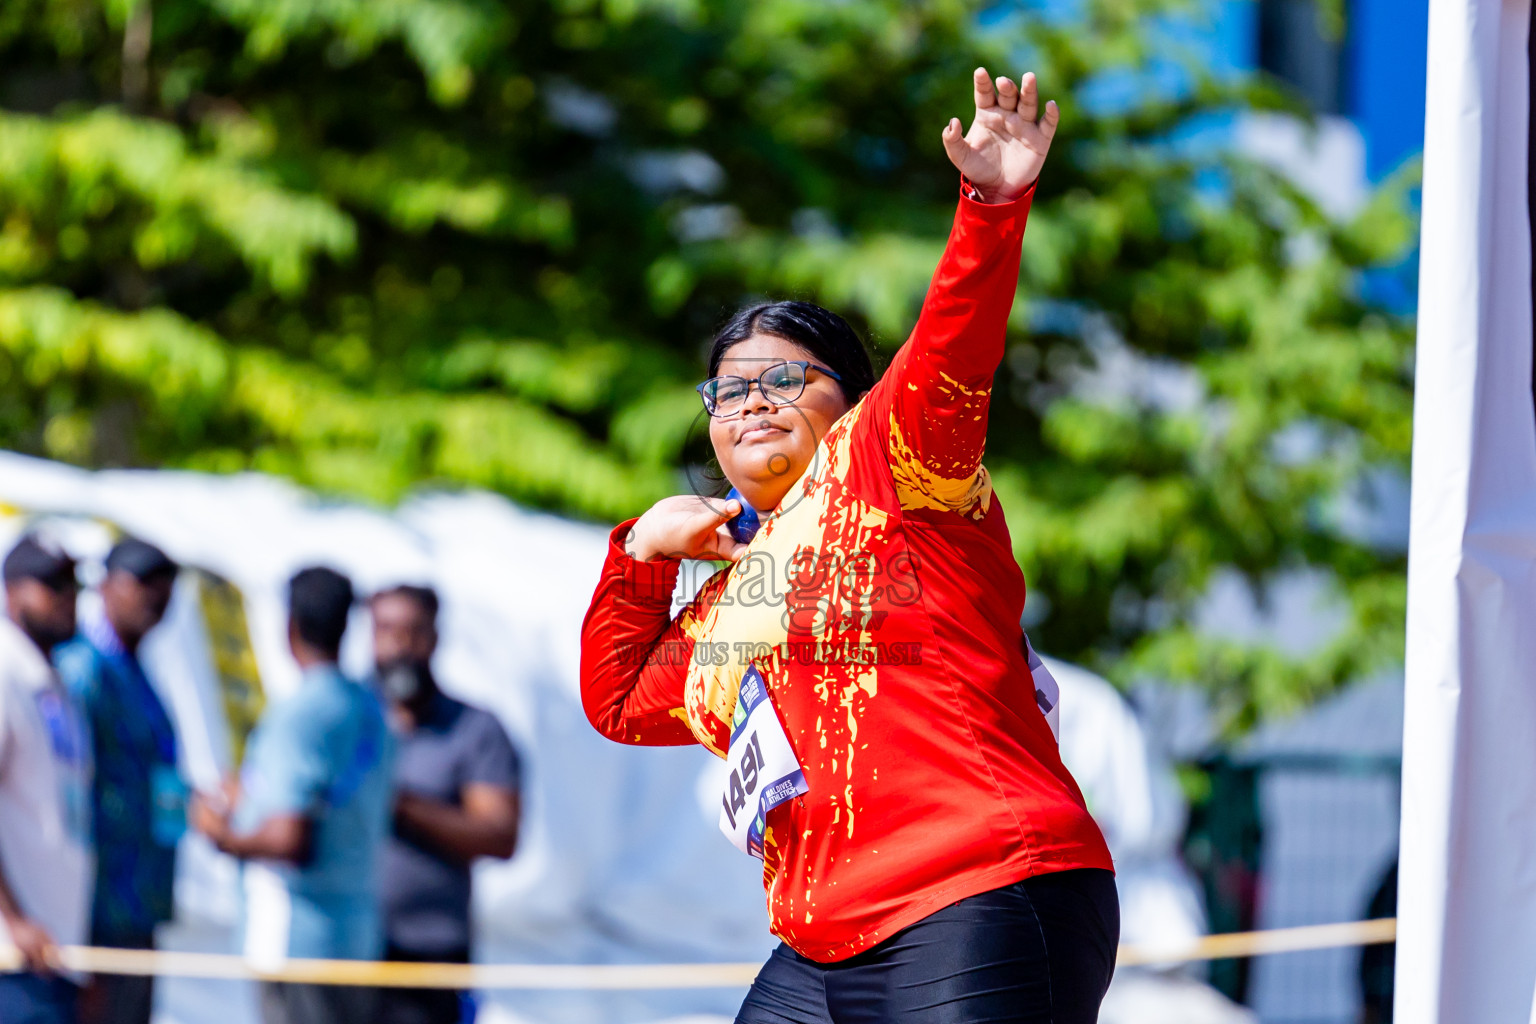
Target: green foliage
[(376, 244)]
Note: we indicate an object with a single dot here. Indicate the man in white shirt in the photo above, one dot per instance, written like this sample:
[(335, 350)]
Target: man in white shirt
[(45, 774)]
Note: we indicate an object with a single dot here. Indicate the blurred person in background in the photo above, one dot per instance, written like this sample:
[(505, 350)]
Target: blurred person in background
[(456, 783), (138, 802), (45, 778), (309, 816), (1378, 962), (1133, 792)]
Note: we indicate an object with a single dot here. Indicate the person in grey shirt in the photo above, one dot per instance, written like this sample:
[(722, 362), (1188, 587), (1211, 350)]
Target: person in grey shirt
[(456, 783)]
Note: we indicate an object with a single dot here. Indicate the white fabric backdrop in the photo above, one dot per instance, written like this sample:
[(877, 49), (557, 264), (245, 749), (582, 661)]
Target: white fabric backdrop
[(1467, 944)]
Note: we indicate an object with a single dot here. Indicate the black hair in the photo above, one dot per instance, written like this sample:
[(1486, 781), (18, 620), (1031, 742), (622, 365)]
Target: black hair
[(143, 560), (821, 332), (318, 602), (425, 597)]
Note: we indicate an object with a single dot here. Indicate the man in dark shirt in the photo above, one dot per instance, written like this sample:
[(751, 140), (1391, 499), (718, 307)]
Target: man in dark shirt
[(456, 781), (138, 799)]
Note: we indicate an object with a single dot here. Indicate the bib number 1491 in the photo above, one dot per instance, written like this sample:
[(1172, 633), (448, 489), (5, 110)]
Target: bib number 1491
[(744, 778), (764, 770)]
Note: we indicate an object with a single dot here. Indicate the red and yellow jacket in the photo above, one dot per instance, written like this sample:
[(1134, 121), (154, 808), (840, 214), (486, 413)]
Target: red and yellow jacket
[(881, 604)]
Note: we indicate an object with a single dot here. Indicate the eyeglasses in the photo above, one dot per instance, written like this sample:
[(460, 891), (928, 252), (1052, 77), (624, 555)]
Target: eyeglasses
[(780, 383)]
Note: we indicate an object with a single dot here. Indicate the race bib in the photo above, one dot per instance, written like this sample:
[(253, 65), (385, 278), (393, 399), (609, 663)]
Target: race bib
[(1047, 690), (763, 769)]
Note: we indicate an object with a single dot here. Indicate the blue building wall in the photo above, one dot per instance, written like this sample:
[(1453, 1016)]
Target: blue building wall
[(1383, 74), (1385, 79)]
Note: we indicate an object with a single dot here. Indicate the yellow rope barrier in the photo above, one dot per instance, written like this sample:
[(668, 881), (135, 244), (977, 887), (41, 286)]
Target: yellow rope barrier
[(1277, 940), (98, 960)]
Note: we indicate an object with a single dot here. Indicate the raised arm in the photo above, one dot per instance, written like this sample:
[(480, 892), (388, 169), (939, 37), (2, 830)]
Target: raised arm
[(940, 383)]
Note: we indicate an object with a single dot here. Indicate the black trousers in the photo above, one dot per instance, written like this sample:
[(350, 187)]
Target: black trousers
[(119, 998), (1040, 951), (286, 1002), (421, 1005)]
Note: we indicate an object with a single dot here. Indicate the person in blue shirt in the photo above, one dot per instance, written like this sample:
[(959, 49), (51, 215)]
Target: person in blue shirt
[(309, 816), (138, 804)]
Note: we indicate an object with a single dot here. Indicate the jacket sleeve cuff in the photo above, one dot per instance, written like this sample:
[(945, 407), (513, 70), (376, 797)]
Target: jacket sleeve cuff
[(971, 204), (647, 581)]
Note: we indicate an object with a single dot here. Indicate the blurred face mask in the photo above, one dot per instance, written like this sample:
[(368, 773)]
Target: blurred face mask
[(405, 681)]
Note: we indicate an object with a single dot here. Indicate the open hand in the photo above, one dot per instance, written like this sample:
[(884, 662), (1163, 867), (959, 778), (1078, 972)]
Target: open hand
[(1009, 138)]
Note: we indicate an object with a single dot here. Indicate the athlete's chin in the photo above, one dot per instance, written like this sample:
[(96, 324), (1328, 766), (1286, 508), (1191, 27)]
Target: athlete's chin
[(766, 464)]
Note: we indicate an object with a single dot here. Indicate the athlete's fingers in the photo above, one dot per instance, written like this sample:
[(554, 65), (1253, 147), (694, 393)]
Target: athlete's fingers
[(986, 96), (1007, 94), (1051, 120), (954, 141), (727, 546), (1029, 97), (712, 510)]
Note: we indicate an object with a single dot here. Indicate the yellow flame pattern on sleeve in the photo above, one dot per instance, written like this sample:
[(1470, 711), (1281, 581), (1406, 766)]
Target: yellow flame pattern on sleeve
[(919, 486)]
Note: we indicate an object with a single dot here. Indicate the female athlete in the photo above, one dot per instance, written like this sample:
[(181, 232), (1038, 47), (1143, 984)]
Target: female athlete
[(861, 664)]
